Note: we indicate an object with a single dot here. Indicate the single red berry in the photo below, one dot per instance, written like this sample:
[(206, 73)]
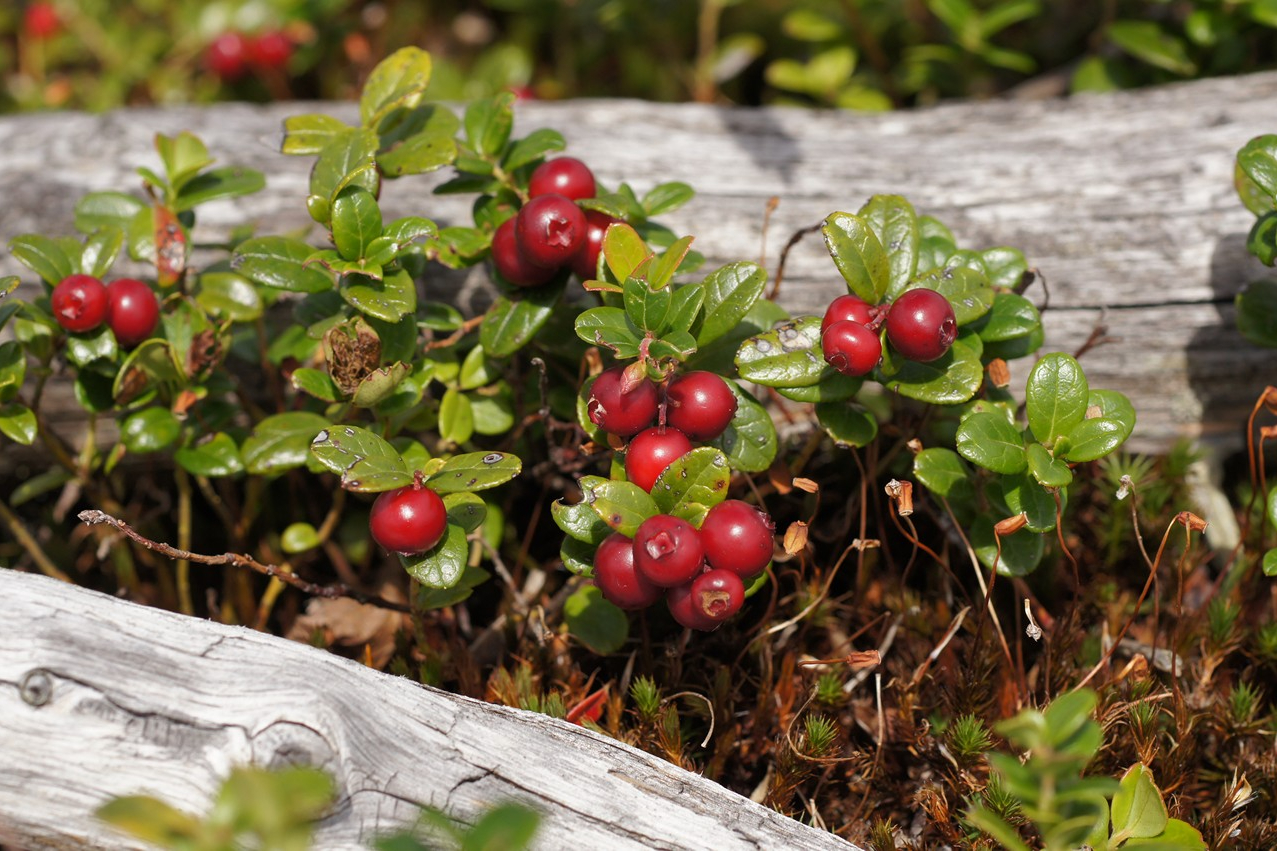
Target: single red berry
[(737, 537), (566, 176), (921, 325), (618, 410), (851, 348), (684, 609), (511, 263), (668, 551), (847, 306), (79, 303), (40, 21), (550, 229), (614, 573), (227, 56), (410, 520), (585, 263), (133, 311), (699, 404), (650, 452), (718, 594), (270, 49)]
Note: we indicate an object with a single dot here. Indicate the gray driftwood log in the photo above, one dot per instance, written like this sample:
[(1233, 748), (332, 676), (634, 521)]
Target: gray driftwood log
[(101, 697), (1123, 201)]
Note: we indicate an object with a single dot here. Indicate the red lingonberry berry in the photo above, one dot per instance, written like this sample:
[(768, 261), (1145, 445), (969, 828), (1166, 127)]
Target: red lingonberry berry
[(511, 263), (585, 263), (79, 303), (650, 452), (718, 594), (699, 404), (921, 325), (668, 551), (270, 49), (737, 537), (849, 306), (133, 311), (615, 574), (620, 410), (227, 56), (566, 176), (410, 520), (40, 21), (550, 229), (851, 348), (684, 609)]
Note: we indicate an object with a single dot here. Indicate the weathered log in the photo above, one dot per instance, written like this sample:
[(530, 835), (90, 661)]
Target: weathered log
[(1123, 201), (102, 697)]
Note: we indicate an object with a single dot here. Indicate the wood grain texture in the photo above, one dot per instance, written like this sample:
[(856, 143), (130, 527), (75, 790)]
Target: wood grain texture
[(103, 697), (1123, 201)]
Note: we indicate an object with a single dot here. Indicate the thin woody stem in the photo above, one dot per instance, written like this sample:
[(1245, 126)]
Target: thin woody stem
[(94, 517)]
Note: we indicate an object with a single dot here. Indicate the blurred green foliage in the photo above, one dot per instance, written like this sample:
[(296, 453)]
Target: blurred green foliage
[(856, 54)]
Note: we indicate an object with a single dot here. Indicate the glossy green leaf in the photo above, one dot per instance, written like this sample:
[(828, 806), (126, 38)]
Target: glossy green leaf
[(894, 222), (100, 251), (442, 566), (833, 386), (580, 522), (466, 509), (1055, 397), (989, 441), (378, 385), (952, 378), (1021, 551), (488, 123), (858, 254), (1005, 266), (623, 506), (366, 462), (44, 256), (106, 209), (1257, 160), (219, 183), (310, 134), (1094, 438), (18, 423), (423, 143), (281, 442), (474, 471), (1011, 316), (846, 423), (150, 430), (317, 383), (429, 599), (332, 260), (730, 292), (749, 441), (786, 356), (578, 556), (478, 369), (1048, 470), (389, 299), (156, 362), (456, 419), (942, 472), (350, 159), (183, 155), (685, 306), (645, 307), (398, 82), (492, 409), (967, 289), (1138, 810), (1148, 42), (1021, 493), (279, 262), (298, 538), (1270, 562), (533, 147), (1177, 836), (1257, 312), (215, 457), (663, 269), (624, 251), (1114, 406), (511, 323), (611, 328), (83, 349), (229, 295), (666, 198), (692, 484), (597, 623), (356, 221), (1261, 242)]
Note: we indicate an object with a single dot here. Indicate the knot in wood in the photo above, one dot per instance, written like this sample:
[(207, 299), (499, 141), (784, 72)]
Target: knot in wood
[(36, 687)]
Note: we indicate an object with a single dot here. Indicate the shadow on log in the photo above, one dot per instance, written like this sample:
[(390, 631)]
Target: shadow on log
[(102, 697)]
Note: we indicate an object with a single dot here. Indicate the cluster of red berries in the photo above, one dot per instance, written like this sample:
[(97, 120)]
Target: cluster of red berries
[(82, 302), (232, 54), (920, 325), (408, 521), (701, 572), (551, 231)]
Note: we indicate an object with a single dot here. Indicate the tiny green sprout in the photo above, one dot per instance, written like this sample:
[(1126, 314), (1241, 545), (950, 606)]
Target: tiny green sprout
[(968, 738), (1144, 716), (828, 690), (882, 835), (820, 732), (1266, 642), (646, 695), (1243, 703), (1221, 621), (1000, 801)]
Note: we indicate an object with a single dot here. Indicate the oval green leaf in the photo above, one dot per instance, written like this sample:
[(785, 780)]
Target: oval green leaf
[(442, 566), (475, 471), (366, 462), (1055, 397), (989, 441), (858, 254)]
